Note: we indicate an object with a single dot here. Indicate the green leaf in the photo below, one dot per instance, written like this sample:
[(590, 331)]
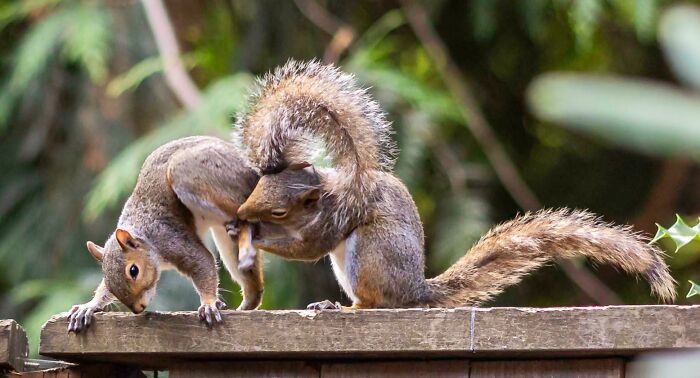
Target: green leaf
[(642, 114), (484, 18), (434, 102), (87, 39), (679, 34), (140, 72), (31, 58), (584, 17), (389, 22), (661, 233), (680, 233), (134, 76), (13, 11), (645, 13), (694, 289)]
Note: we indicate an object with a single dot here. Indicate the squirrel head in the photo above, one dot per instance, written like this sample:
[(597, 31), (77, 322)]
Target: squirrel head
[(130, 271), (290, 197)]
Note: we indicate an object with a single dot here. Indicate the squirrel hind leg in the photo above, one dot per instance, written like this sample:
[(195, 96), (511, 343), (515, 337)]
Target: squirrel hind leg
[(251, 279)]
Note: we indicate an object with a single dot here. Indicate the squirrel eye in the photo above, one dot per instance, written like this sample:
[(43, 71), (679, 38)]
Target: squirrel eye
[(134, 271), (278, 213)]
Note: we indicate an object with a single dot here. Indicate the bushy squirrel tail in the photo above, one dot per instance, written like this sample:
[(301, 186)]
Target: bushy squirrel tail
[(513, 249), (304, 102)]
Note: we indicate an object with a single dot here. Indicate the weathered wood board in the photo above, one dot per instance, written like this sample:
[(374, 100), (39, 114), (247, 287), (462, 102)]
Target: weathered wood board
[(566, 368), (160, 339), (13, 345), (82, 371)]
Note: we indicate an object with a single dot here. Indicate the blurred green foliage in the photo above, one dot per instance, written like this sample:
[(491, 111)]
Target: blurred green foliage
[(650, 116), (83, 101)]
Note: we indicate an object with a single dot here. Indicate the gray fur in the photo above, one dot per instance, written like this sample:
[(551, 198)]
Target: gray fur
[(303, 98)]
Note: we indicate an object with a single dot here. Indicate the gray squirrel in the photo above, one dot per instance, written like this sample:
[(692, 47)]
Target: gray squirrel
[(363, 216), (185, 189)]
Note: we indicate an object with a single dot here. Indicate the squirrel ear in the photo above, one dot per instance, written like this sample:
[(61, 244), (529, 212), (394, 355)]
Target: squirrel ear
[(96, 251), (125, 240), (298, 166), (312, 194)]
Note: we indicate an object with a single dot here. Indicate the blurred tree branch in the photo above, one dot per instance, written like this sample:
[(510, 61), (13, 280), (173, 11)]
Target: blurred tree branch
[(495, 152), (176, 76), (664, 194), (343, 34)]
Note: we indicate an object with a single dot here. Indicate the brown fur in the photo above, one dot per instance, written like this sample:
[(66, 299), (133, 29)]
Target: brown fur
[(310, 99), (366, 219), (513, 249), (184, 187)]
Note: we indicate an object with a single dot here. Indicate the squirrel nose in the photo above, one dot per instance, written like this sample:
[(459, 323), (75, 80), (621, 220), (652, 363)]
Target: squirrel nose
[(138, 308)]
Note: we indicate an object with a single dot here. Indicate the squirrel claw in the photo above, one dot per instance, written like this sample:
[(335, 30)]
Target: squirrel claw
[(209, 313), (81, 316), (232, 229), (324, 305)]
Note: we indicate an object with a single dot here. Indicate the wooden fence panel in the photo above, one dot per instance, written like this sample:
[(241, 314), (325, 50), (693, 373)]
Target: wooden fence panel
[(496, 333), (13, 345), (413, 369), (567, 368), (246, 369)]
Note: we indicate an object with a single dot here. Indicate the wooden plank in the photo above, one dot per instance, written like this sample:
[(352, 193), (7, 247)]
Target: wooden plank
[(259, 334), (245, 369), (97, 370), (405, 333), (572, 331), (588, 368), (13, 345), (413, 369)]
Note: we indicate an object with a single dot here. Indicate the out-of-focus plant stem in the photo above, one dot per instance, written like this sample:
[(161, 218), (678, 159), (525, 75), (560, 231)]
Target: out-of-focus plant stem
[(343, 34), (176, 76)]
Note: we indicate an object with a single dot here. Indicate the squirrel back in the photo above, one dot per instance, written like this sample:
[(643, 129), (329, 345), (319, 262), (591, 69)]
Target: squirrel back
[(307, 99), (510, 251)]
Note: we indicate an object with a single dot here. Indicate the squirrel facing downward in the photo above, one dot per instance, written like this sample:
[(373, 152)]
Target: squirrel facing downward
[(185, 188), (365, 218)]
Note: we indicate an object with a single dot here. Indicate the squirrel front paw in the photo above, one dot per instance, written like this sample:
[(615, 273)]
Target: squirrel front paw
[(232, 229), (209, 312), (324, 305), (81, 316)]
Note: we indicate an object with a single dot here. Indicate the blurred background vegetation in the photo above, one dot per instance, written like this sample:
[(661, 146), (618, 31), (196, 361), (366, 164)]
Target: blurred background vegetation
[(83, 100)]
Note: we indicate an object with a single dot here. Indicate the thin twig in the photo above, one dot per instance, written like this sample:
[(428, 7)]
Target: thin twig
[(664, 194), (492, 147), (176, 76), (343, 34)]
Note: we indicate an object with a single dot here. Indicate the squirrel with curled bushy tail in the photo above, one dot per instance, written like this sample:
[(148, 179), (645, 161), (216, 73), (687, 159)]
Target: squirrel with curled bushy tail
[(363, 216)]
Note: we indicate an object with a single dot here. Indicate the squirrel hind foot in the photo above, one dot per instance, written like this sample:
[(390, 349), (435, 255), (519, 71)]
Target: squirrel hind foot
[(324, 305)]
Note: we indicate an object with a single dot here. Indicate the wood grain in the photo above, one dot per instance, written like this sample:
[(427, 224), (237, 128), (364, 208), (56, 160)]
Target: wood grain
[(83, 371), (246, 369), (157, 339), (584, 368), (13, 345), (413, 369)]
